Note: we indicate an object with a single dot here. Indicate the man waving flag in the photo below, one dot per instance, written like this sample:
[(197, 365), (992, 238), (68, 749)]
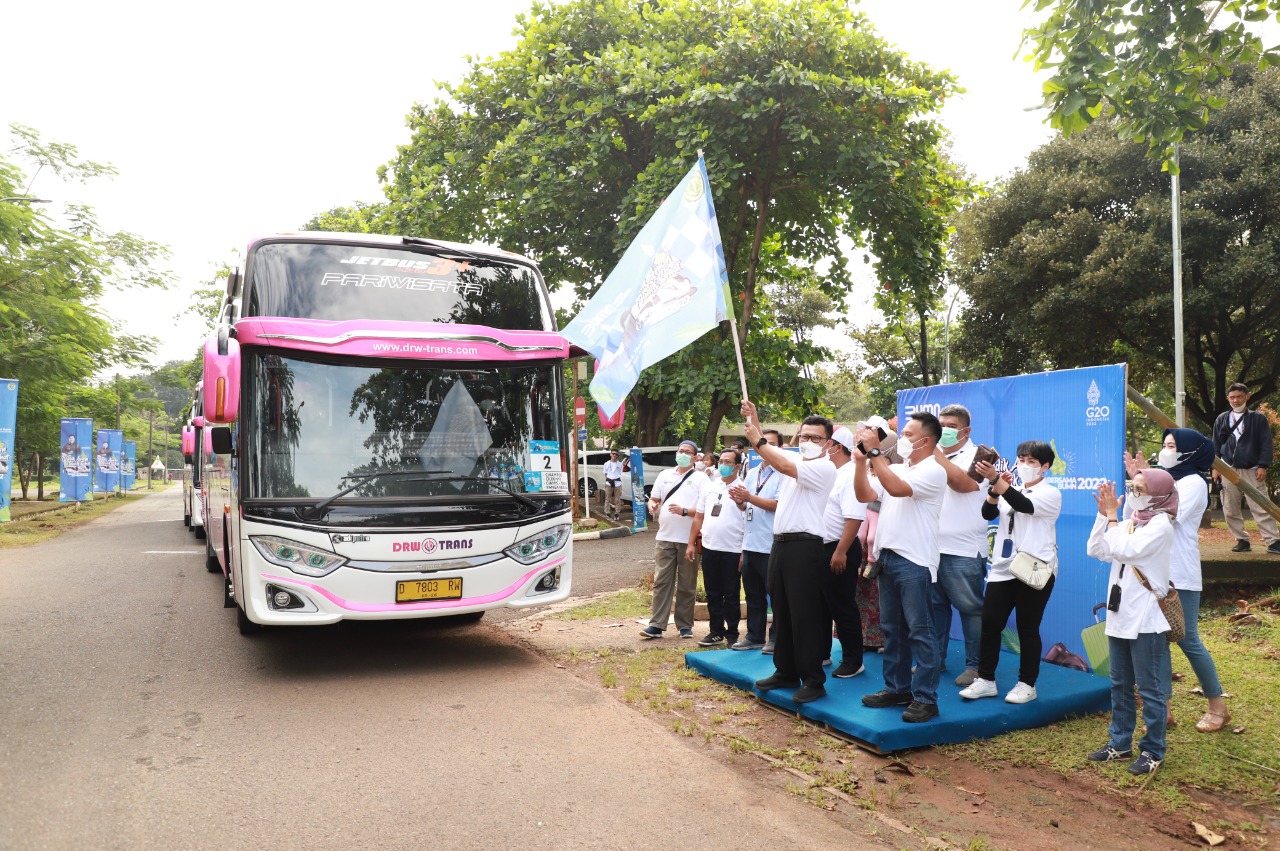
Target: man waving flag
[(670, 287)]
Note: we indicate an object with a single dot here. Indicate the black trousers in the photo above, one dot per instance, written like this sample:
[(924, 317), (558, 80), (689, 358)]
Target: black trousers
[(804, 631), (720, 579), (840, 593), (755, 582), (1000, 600)]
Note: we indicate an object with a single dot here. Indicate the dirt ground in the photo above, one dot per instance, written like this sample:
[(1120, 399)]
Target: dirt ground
[(919, 799)]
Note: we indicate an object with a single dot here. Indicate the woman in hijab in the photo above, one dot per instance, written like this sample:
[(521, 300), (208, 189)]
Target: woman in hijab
[(1187, 456), (1140, 551)]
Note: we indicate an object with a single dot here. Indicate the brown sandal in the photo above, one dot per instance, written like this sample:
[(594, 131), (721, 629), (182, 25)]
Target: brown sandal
[(1212, 722)]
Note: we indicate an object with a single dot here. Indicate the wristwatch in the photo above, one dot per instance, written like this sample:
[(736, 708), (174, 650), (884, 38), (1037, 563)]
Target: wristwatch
[(684, 512), (761, 442), (874, 453)]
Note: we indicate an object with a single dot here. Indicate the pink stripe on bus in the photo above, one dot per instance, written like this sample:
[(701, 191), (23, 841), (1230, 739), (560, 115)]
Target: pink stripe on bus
[(396, 339), (403, 607)]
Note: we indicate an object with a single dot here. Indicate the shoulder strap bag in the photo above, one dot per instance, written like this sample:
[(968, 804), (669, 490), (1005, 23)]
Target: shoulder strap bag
[(1026, 568), (1171, 606)]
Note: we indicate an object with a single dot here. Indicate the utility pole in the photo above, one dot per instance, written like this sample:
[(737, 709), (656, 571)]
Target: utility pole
[(151, 423), (117, 400)]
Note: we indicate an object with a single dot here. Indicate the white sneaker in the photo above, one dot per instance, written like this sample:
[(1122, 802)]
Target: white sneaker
[(980, 688), (1021, 693)]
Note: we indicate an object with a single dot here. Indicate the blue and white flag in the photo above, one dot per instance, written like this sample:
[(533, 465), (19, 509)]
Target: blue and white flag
[(77, 448), (8, 424), (128, 464), (107, 460), (670, 287)]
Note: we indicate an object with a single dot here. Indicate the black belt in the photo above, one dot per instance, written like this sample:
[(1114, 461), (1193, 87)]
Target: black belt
[(797, 536)]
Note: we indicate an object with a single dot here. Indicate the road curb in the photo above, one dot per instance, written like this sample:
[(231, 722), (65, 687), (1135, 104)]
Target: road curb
[(615, 532)]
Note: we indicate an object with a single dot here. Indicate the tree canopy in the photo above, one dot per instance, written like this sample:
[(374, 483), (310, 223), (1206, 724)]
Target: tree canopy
[(1067, 263), (816, 133), (53, 334), (1154, 62)]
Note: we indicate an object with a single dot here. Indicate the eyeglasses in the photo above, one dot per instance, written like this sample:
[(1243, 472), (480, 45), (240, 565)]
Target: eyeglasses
[(1134, 490), (812, 438)]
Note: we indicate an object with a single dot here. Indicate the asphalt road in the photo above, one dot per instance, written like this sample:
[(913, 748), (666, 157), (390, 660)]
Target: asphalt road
[(133, 715)]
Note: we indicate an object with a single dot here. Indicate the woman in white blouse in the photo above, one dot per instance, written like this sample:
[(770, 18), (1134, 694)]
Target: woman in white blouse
[(1139, 550)]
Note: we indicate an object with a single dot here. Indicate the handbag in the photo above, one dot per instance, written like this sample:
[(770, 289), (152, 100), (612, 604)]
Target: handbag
[(1030, 570), (1171, 606), (982, 453), (1059, 655)]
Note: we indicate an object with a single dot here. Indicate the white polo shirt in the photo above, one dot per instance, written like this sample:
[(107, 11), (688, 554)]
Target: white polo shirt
[(842, 505), (1146, 547), (908, 525), (803, 500), (1035, 534), (962, 531), (721, 531), (673, 528)]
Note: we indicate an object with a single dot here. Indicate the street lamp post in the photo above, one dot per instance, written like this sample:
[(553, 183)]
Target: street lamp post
[(1179, 376), (946, 374)]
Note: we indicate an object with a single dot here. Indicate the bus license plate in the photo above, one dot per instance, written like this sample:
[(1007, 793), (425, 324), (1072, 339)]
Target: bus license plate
[(416, 590)]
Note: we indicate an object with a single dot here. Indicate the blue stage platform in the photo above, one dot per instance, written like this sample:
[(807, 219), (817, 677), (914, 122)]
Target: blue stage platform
[(1062, 693)]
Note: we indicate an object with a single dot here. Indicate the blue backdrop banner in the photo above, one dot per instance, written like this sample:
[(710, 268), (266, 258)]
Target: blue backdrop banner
[(1081, 414), (77, 445), (639, 504), (107, 464), (128, 464), (8, 424)]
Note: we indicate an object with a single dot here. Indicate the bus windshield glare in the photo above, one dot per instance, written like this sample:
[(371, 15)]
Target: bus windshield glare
[(303, 280), (314, 427)]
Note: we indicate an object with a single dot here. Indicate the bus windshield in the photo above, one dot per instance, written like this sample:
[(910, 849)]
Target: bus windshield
[(304, 280), (313, 427)]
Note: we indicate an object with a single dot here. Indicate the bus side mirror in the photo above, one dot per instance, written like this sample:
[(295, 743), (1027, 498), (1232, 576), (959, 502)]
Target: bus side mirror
[(220, 437), (221, 377), (188, 441)]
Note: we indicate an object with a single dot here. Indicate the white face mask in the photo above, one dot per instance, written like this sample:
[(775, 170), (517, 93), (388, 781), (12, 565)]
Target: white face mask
[(810, 450), (1240, 410), (1169, 458), (700, 466), (1140, 502), (1029, 473), (905, 448)]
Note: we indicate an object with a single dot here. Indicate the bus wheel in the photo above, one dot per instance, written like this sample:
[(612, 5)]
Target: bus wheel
[(461, 620), (199, 530), (246, 626), (186, 521), (211, 558)]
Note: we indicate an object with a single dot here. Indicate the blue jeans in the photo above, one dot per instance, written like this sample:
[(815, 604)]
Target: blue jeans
[(1193, 647), (907, 621), (1145, 661), (960, 580)]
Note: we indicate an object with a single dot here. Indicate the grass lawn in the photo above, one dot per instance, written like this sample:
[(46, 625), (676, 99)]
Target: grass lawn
[(36, 529), (1240, 763)]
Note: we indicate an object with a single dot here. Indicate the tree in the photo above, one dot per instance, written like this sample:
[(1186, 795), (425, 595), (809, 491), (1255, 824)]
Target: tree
[(53, 335), (815, 131), (1065, 264), (1155, 62)]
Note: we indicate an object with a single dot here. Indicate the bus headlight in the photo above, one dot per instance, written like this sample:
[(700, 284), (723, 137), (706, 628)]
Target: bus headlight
[(539, 546), (299, 558)]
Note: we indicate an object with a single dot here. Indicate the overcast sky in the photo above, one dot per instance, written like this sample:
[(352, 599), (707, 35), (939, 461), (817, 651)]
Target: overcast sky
[(237, 118)]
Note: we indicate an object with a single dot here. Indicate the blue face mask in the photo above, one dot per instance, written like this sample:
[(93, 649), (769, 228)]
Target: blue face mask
[(726, 470)]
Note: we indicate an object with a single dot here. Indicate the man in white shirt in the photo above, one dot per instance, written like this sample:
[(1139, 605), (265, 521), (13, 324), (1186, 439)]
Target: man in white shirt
[(613, 486), (797, 563), (721, 522), (758, 495), (843, 553), (962, 544), (907, 538), (672, 502)]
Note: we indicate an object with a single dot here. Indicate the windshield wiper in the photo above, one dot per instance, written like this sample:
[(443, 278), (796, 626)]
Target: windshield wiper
[(444, 250), (416, 475), (364, 479)]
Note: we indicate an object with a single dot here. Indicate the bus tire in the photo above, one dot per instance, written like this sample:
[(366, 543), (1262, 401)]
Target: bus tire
[(462, 620), (199, 530), (246, 626), (186, 521), (211, 558)]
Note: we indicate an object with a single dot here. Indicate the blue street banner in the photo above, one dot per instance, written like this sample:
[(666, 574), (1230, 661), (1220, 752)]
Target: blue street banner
[(670, 287), (128, 464), (8, 426), (639, 503), (107, 460), (75, 467), (1081, 414)]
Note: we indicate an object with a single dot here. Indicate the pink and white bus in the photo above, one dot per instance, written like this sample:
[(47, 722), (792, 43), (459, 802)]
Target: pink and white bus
[(387, 425)]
